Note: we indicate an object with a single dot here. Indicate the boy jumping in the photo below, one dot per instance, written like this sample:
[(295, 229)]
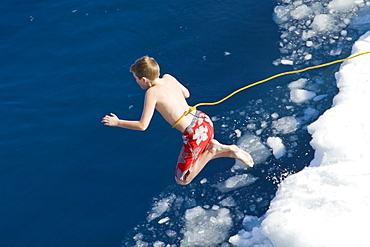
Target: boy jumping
[(168, 97)]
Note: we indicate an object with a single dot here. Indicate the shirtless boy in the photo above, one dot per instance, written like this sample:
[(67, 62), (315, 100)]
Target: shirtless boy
[(168, 96)]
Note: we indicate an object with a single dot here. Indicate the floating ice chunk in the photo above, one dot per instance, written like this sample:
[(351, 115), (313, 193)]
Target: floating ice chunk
[(171, 233), (320, 97), (251, 126), (286, 62), (160, 207), (281, 13), (138, 236), (336, 51), (253, 145), (307, 34), (252, 235), (362, 22), (309, 43), (275, 115), (308, 57), (285, 125), (164, 220), (253, 238), (342, 5), (206, 227), (278, 148), (141, 243), (228, 202), (159, 244), (301, 12), (323, 22), (236, 182), (300, 83), (300, 95), (310, 113), (203, 181)]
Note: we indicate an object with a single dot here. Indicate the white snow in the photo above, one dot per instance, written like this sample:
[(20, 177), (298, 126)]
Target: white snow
[(327, 204)]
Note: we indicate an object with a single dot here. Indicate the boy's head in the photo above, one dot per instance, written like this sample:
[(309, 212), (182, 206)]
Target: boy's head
[(145, 67)]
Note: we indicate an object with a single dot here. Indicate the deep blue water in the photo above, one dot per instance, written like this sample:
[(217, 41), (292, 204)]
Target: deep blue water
[(67, 180)]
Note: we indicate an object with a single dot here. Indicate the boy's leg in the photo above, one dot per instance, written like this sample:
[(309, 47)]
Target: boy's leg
[(213, 151)]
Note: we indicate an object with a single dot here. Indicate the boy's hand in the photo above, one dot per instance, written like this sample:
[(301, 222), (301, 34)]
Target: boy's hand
[(111, 120)]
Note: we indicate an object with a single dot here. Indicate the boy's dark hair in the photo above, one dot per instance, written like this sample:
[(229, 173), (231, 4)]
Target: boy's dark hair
[(145, 67)]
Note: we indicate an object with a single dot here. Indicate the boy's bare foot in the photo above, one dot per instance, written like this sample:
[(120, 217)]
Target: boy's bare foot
[(216, 148), (233, 151), (242, 155)]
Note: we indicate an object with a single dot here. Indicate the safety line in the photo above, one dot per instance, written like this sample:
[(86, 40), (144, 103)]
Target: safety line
[(267, 79)]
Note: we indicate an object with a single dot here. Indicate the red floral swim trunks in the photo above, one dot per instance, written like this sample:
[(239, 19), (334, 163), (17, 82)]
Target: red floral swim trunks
[(196, 137)]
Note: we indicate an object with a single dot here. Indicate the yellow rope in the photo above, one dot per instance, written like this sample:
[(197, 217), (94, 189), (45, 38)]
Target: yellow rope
[(262, 81)]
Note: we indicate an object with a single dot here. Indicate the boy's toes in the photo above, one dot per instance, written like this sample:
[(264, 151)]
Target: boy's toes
[(245, 157)]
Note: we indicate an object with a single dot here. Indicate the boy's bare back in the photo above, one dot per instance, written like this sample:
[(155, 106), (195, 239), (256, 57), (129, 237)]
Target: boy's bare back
[(170, 96)]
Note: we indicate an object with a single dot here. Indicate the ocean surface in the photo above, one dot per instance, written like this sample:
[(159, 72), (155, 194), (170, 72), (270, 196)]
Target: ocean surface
[(68, 180)]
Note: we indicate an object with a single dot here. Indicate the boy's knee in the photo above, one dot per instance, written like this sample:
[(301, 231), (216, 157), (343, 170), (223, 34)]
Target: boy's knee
[(182, 182)]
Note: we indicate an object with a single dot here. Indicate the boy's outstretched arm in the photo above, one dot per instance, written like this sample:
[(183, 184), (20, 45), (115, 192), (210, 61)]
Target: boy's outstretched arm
[(113, 120), (142, 124)]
